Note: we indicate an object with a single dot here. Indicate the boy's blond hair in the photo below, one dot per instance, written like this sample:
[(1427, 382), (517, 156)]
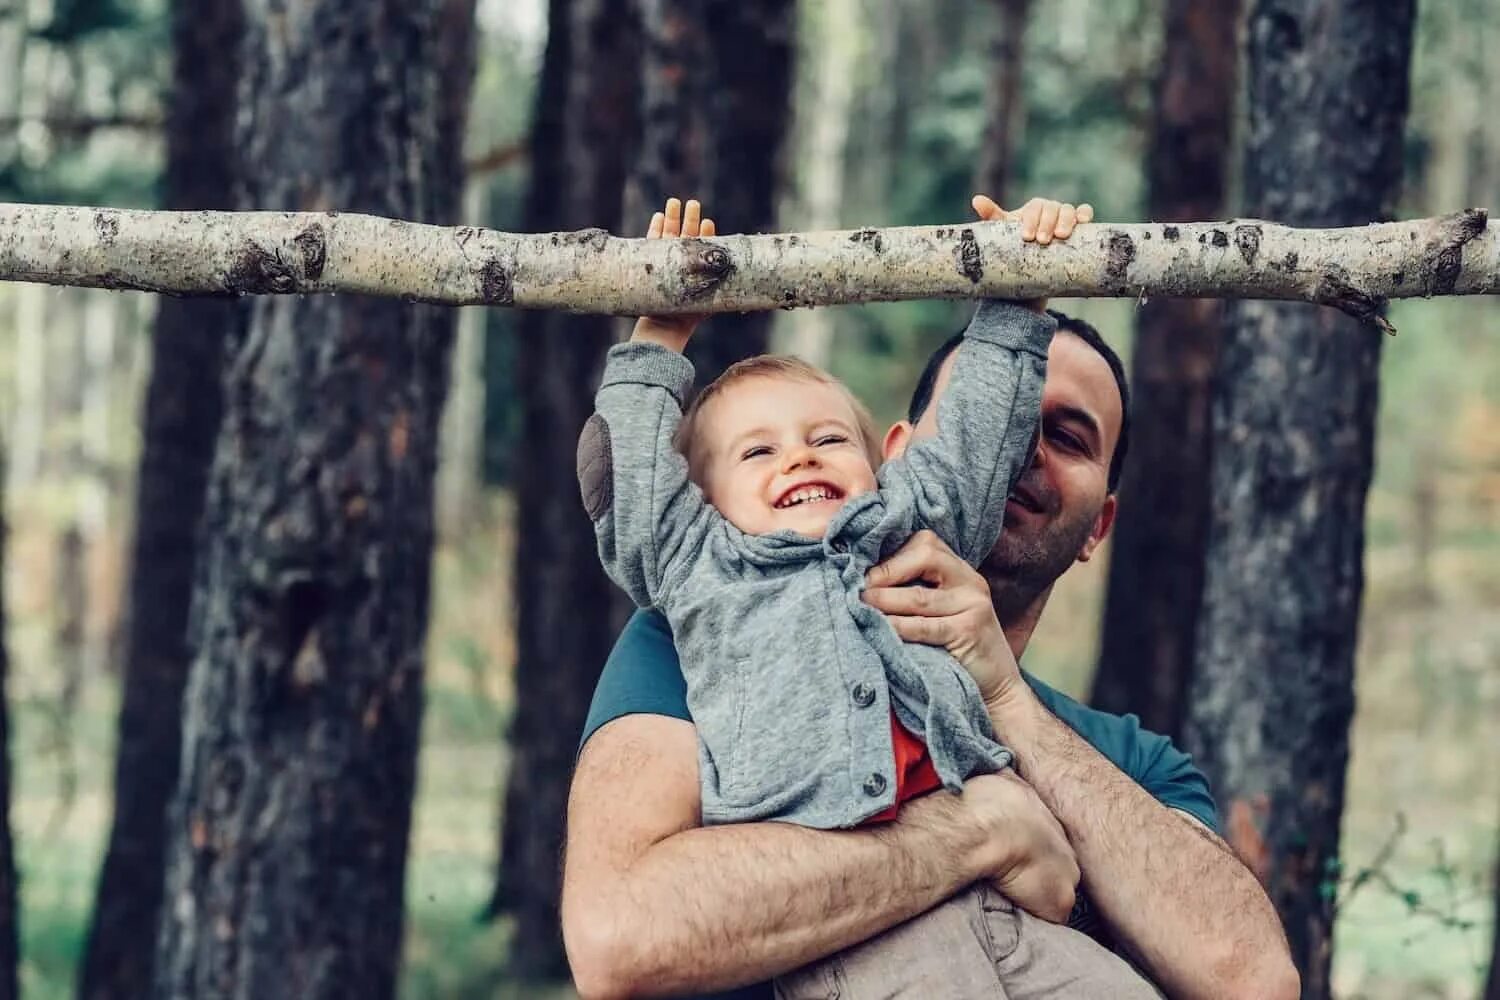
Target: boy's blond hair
[(783, 366)]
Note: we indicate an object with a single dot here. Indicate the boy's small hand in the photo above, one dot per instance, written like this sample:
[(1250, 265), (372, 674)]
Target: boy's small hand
[(676, 220), (1041, 219)]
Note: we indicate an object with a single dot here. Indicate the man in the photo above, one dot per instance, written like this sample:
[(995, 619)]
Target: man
[(653, 903)]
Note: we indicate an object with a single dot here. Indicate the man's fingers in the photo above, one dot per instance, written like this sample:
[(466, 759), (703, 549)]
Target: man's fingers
[(917, 560), (673, 225), (653, 231), (707, 229), (691, 217), (927, 601), (915, 628)]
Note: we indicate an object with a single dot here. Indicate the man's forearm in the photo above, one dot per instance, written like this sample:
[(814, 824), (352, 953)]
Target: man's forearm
[(1191, 913), (712, 908)]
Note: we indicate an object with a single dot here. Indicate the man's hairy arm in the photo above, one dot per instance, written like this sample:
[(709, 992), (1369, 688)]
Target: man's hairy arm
[(1189, 911), (654, 903)]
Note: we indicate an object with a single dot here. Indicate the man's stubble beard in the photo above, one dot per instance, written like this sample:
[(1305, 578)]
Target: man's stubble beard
[(1023, 566)]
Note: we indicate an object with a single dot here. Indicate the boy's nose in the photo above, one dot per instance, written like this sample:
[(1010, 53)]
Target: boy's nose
[(798, 458)]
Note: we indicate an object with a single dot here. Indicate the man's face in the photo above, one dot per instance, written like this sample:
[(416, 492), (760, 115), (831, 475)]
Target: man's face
[(1061, 507)]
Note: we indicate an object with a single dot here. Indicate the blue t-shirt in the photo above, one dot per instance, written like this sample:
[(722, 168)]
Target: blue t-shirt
[(644, 676)]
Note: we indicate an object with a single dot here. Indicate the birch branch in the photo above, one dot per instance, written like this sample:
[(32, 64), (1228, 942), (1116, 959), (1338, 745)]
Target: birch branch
[(254, 253)]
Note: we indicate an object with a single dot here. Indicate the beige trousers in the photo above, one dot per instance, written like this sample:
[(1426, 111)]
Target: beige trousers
[(976, 945)]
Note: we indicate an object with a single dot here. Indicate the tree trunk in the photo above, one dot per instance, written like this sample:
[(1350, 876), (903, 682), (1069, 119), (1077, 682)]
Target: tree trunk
[(183, 404), (1005, 103), (1293, 442), (716, 81), (1156, 561), (288, 833), (567, 610), (9, 917), (824, 110), (1492, 982)]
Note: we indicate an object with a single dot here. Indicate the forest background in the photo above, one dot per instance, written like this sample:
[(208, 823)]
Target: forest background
[(889, 107)]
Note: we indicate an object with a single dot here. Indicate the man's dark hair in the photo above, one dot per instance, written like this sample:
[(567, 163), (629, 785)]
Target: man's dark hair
[(921, 397)]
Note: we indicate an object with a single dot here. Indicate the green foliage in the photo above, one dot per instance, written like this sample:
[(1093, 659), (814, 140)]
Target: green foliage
[(75, 20)]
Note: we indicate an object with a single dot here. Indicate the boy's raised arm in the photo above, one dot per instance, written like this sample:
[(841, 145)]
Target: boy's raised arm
[(635, 486)]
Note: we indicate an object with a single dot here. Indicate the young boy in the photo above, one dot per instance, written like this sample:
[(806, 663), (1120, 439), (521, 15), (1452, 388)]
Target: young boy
[(750, 523)]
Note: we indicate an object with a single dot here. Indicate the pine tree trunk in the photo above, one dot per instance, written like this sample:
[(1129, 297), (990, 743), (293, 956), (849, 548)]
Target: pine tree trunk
[(9, 915), (288, 833), (567, 611), (1293, 441), (182, 409), (1492, 982), (716, 80), (1156, 561), (1005, 104)]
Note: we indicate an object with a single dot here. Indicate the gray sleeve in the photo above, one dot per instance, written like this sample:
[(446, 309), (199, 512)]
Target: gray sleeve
[(988, 417), (649, 518)]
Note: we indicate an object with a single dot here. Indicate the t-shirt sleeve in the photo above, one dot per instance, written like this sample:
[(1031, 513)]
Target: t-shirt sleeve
[(1148, 758), (1170, 775), (642, 676)]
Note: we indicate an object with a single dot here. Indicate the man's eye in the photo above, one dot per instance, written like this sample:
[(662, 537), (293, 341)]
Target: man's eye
[(1066, 440), (830, 439)]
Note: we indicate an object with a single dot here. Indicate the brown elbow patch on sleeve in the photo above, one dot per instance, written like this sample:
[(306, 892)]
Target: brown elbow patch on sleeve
[(596, 473)]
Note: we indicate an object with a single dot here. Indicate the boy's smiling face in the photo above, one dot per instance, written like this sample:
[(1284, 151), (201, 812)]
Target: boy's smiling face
[(782, 453)]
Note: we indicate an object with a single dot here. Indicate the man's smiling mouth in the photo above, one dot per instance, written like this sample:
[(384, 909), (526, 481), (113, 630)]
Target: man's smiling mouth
[(808, 493), (1026, 500)]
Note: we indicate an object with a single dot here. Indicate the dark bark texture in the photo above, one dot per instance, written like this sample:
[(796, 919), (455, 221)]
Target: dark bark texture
[(183, 404), (1492, 982), (9, 916), (716, 80), (1293, 440), (1156, 561), (1005, 101), (288, 833), (568, 612)]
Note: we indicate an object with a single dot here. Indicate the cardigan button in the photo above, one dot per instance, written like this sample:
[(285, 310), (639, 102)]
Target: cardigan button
[(875, 785), (863, 694)]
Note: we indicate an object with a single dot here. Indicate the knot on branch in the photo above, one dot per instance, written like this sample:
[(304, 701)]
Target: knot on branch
[(970, 261), (1443, 259), (312, 245), (1119, 252), (257, 271), (495, 284), (1335, 289), (704, 267)]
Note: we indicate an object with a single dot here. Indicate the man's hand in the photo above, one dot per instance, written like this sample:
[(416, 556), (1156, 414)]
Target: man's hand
[(949, 607), (1039, 872), (673, 332)]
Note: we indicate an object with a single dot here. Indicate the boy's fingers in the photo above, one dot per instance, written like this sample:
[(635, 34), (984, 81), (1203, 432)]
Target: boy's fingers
[(1067, 217), (707, 229), (1048, 224), (674, 218), (986, 208), (691, 217), (1031, 216), (653, 231), (1085, 213)]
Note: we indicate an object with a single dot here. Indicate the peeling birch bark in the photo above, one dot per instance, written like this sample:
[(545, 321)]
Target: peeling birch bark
[(252, 253)]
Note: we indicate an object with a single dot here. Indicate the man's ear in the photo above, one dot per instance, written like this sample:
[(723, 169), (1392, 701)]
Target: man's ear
[(1102, 525), (896, 440)]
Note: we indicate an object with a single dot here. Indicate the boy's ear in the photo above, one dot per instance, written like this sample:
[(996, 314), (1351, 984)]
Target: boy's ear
[(896, 440)]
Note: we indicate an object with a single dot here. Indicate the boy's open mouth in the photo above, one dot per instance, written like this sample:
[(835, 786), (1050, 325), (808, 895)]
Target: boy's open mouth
[(808, 493)]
